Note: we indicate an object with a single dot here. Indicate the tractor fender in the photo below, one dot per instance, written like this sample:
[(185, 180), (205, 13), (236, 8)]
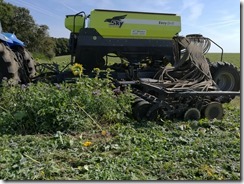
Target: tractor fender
[(5, 38), (14, 39)]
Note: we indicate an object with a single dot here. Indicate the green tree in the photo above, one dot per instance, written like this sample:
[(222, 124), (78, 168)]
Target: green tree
[(61, 47), (18, 20), (6, 12), (23, 26), (48, 47), (46, 44)]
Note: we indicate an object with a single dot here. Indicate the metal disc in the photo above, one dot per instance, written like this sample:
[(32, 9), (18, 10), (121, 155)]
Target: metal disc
[(136, 101), (192, 114), (140, 110), (214, 110)]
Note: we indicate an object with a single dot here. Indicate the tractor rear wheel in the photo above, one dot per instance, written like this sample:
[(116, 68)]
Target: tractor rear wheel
[(226, 76), (26, 64), (8, 64), (30, 63)]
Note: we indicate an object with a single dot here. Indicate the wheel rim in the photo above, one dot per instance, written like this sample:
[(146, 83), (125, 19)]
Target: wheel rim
[(214, 110)]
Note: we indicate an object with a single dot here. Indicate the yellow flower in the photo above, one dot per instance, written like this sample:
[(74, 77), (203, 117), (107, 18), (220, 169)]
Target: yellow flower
[(77, 69), (87, 143), (104, 132)]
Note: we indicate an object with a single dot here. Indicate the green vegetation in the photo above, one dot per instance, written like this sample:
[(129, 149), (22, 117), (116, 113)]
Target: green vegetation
[(61, 47), (233, 58), (47, 108), (84, 131), (132, 151), (36, 37), (62, 60)]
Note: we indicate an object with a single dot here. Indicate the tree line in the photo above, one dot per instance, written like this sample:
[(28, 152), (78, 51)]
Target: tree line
[(18, 20)]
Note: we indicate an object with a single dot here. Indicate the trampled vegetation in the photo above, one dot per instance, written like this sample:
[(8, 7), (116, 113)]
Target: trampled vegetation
[(85, 131)]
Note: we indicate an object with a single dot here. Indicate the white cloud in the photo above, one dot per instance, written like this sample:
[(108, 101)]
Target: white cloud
[(160, 6), (224, 34), (101, 4), (193, 8), (32, 6), (69, 7)]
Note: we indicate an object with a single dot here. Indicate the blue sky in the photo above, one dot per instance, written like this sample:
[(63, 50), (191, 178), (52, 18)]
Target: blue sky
[(216, 19)]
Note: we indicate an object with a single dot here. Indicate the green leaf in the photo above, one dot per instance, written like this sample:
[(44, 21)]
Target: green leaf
[(20, 115), (86, 167)]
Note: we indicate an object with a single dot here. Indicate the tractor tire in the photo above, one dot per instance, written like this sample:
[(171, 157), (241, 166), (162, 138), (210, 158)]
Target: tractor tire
[(8, 65), (30, 63), (26, 64), (226, 76)]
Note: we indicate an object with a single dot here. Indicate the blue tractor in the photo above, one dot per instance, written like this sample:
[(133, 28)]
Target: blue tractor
[(16, 62)]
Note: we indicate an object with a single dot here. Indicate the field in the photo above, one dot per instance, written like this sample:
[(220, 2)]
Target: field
[(78, 132), (233, 58)]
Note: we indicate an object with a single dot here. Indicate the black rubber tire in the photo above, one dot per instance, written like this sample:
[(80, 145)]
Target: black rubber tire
[(8, 64), (214, 110), (226, 76), (30, 63), (26, 63), (192, 114)]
